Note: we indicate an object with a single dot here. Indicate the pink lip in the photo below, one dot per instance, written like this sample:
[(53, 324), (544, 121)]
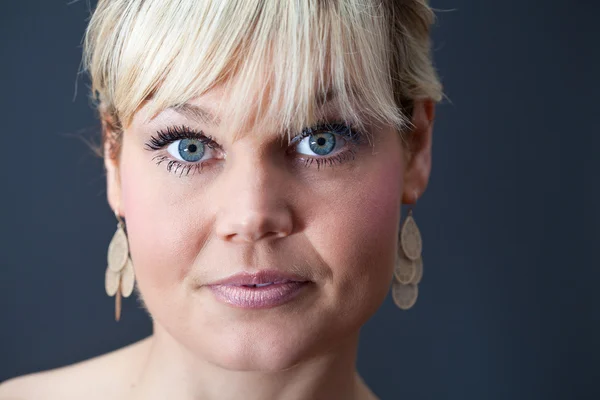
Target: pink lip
[(259, 278), (238, 291)]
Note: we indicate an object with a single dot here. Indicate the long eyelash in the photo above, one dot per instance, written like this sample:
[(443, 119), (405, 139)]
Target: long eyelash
[(178, 167), (342, 129), (173, 133), (330, 161)]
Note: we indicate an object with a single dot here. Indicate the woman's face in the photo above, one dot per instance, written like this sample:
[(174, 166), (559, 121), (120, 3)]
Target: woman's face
[(325, 208)]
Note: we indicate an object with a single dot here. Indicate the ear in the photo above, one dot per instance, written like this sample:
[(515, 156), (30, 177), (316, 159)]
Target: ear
[(418, 152), (113, 182), (111, 164)]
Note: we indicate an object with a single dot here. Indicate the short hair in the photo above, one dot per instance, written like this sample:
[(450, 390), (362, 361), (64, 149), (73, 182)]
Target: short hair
[(374, 56)]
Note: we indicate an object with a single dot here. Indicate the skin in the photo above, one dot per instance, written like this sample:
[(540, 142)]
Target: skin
[(254, 206)]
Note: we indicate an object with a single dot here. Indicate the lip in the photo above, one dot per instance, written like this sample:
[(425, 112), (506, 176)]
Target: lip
[(238, 290), (259, 278)]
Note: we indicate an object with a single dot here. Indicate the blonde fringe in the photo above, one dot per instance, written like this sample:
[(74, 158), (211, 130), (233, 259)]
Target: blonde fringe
[(275, 58)]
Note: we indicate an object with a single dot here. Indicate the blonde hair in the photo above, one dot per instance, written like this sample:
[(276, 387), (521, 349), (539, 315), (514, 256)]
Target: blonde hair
[(277, 59)]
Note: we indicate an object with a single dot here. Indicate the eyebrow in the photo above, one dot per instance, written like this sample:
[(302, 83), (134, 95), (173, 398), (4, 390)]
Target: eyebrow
[(198, 113), (201, 114)]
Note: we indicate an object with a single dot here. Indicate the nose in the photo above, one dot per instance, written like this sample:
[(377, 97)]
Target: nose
[(252, 203)]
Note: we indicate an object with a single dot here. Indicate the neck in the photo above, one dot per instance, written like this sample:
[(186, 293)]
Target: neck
[(171, 371)]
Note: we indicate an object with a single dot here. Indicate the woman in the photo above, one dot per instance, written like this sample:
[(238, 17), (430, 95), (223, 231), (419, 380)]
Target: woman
[(257, 155)]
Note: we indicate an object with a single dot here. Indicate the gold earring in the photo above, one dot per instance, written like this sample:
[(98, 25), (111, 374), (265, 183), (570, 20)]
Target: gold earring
[(119, 278), (408, 270)]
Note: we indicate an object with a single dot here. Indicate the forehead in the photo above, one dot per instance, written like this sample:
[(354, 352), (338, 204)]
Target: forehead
[(207, 110)]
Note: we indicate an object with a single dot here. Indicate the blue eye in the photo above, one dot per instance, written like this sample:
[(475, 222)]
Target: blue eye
[(322, 143), (189, 150)]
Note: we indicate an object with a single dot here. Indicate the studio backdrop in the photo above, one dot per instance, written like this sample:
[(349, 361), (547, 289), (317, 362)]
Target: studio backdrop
[(508, 304)]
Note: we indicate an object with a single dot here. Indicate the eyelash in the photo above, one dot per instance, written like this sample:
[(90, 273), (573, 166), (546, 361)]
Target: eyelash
[(173, 133)]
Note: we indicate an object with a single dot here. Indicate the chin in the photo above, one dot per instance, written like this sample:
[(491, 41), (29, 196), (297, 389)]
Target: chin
[(272, 362), (268, 340), (268, 349)]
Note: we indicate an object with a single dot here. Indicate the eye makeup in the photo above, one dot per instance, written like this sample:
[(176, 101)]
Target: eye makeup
[(332, 143), (179, 132)]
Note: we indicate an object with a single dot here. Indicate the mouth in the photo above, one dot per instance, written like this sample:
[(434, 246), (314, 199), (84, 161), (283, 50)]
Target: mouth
[(265, 284), (264, 289), (260, 279)]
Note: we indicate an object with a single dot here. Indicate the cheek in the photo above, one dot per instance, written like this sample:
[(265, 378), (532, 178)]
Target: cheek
[(163, 223), (355, 232)]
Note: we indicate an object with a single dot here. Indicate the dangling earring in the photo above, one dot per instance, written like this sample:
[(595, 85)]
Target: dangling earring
[(120, 277), (408, 270)]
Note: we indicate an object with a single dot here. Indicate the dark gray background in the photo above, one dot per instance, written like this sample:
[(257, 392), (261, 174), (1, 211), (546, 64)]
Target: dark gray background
[(508, 307)]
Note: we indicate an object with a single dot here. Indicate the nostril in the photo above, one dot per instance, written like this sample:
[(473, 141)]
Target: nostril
[(274, 224)]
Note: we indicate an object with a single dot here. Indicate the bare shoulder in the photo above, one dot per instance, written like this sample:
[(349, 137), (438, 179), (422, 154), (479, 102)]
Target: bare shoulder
[(108, 376)]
